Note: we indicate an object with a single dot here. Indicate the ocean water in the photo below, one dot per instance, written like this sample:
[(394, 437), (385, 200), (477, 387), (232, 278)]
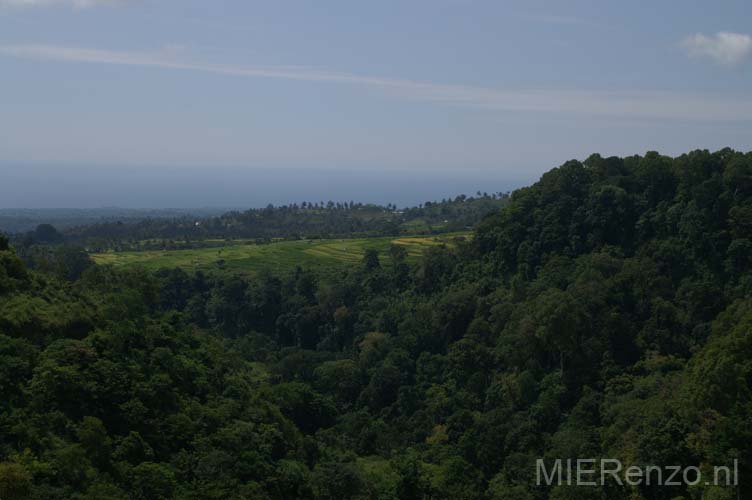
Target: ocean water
[(65, 186)]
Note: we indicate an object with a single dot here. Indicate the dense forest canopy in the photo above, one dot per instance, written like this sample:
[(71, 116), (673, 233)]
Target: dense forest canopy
[(294, 221), (604, 311), (20, 220)]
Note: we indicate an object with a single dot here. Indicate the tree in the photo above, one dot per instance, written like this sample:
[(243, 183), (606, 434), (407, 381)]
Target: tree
[(371, 259), (47, 234), (15, 481), (336, 481), (153, 481), (398, 254)]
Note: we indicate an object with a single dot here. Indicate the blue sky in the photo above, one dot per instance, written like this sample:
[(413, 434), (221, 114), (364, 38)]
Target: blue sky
[(116, 102)]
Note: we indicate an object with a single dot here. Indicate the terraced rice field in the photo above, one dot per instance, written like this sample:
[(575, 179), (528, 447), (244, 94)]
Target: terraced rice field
[(278, 257)]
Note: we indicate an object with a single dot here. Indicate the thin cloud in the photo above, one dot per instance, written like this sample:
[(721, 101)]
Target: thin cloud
[(643, 104), (724, 47), (78, 4)]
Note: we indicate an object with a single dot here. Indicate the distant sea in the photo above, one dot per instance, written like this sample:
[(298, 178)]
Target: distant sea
[(45, 186)]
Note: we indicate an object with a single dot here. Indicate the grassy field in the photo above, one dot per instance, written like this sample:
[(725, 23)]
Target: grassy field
[(278, 257)]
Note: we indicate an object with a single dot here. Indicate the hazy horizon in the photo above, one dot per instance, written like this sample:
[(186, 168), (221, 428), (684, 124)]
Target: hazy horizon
[(88, 187)]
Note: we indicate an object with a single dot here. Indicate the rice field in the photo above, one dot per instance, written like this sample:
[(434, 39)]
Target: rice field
[(280, 256)]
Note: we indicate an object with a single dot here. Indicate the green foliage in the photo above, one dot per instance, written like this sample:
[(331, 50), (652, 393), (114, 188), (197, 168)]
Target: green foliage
[(15, 481), (305, 221), (604, 312)]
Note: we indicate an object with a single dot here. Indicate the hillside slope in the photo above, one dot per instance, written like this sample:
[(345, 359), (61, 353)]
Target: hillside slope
[(604, 312)]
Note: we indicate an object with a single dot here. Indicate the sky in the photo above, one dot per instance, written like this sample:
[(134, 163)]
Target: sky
[(180, 103)]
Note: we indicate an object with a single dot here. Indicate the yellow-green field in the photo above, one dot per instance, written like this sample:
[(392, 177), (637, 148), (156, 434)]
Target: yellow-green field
[(279, 256)]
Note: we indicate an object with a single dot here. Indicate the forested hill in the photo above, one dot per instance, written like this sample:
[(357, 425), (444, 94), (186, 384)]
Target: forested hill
[(304, 220), (20, 220), (605, 311)]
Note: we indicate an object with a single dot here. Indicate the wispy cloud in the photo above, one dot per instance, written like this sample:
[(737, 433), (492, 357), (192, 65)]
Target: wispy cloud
[(78, 4), (724, 47), (640, 104)]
